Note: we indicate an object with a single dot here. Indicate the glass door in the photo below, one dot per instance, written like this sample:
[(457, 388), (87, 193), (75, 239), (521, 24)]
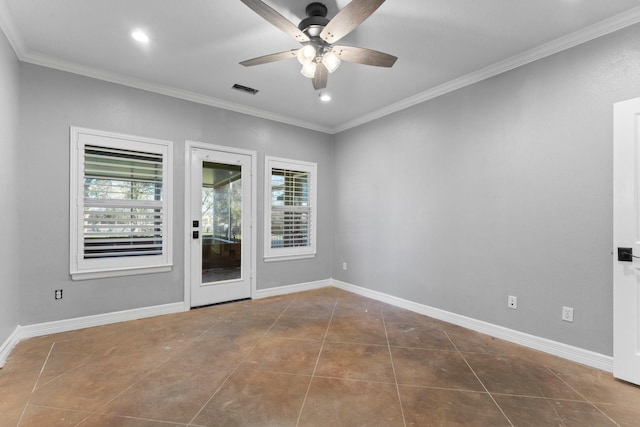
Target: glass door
[(220, 240)]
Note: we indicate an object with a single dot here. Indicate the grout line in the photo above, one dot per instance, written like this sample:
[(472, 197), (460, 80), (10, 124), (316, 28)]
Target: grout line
[(97, 410), (160, 365), (358, 343), (478, 378), (43, 366), (60, 375), (332, 320), (37, 405), (393, 367), (35, 385), (581, 395), (235, 368), (170, 357), (461, 390), (313, 373), (116, 416), (358, 380), (526, 396), (424, 348), (80, 365), (292, 374), (128, 417)]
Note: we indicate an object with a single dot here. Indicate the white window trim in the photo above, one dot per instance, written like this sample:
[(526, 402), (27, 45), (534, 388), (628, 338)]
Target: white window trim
[(81, 269), (287, 254)]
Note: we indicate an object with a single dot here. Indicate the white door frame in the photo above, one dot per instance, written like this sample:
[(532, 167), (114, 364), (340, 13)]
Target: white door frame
[(626, 234), (189, 145)]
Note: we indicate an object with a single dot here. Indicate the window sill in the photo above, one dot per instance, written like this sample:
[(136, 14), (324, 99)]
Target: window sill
[(101, 274), (276, 258)]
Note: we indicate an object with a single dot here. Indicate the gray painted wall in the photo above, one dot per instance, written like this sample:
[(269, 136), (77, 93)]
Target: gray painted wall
[(9, 241), (51, 102), (500, 188)]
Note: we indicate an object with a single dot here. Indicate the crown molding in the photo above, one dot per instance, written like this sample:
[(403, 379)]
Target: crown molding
[(584, 35), (17, 43), (9, 29), (120, 79)]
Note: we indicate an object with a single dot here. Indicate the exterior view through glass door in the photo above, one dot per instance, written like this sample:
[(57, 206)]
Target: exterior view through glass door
[(220, 219), (221, 225)]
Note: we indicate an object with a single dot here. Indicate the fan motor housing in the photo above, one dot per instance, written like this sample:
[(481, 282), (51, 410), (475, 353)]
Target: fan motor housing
[(316, 19)]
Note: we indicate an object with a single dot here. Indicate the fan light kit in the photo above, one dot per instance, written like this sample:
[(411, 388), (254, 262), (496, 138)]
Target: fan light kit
[(317, 34)]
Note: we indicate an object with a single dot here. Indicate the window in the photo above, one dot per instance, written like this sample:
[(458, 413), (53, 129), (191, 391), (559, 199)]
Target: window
[(290, 209), (120, 204)]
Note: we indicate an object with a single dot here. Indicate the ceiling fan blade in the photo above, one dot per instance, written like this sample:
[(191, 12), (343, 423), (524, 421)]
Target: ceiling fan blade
[(270, 58), (275, 18), (348, 19), (320, 77), (361, 55)]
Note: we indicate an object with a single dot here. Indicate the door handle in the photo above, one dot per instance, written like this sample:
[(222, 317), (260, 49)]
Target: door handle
[(625, 254)]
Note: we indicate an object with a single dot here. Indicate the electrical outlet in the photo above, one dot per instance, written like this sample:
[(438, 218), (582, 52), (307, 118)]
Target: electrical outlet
[(512, 302), (344, 265), (567, 314), (58, 294)]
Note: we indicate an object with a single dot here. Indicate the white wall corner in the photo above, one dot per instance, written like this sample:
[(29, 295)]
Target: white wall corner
[(289, 289), (8, 345), (575, 354)]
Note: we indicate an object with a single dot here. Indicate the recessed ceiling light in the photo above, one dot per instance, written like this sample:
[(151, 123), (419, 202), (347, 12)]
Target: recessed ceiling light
[(140, 36), (325, 97)]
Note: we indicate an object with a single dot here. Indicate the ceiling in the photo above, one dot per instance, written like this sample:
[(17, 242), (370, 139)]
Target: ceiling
[(196, 45)]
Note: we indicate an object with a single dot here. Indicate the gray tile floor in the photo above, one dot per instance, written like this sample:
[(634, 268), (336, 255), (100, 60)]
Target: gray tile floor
[(317, 358)]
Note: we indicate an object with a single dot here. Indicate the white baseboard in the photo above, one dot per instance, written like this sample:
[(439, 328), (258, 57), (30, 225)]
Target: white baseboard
[(586, 357), (289, 289), (47, 328), (65, 325), (8, 345), (575, 354)]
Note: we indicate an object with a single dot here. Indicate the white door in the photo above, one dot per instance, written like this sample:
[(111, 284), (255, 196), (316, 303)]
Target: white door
[(626, 240), (220, 231)]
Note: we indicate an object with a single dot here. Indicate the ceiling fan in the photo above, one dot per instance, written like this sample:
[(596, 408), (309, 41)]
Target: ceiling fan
[(319, 55)]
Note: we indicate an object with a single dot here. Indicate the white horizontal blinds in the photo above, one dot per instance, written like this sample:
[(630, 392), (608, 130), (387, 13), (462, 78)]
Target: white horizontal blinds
[(123, 209), (290, 208)]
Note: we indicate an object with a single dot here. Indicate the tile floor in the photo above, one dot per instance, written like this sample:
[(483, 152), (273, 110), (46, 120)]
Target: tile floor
[(319, 358)]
